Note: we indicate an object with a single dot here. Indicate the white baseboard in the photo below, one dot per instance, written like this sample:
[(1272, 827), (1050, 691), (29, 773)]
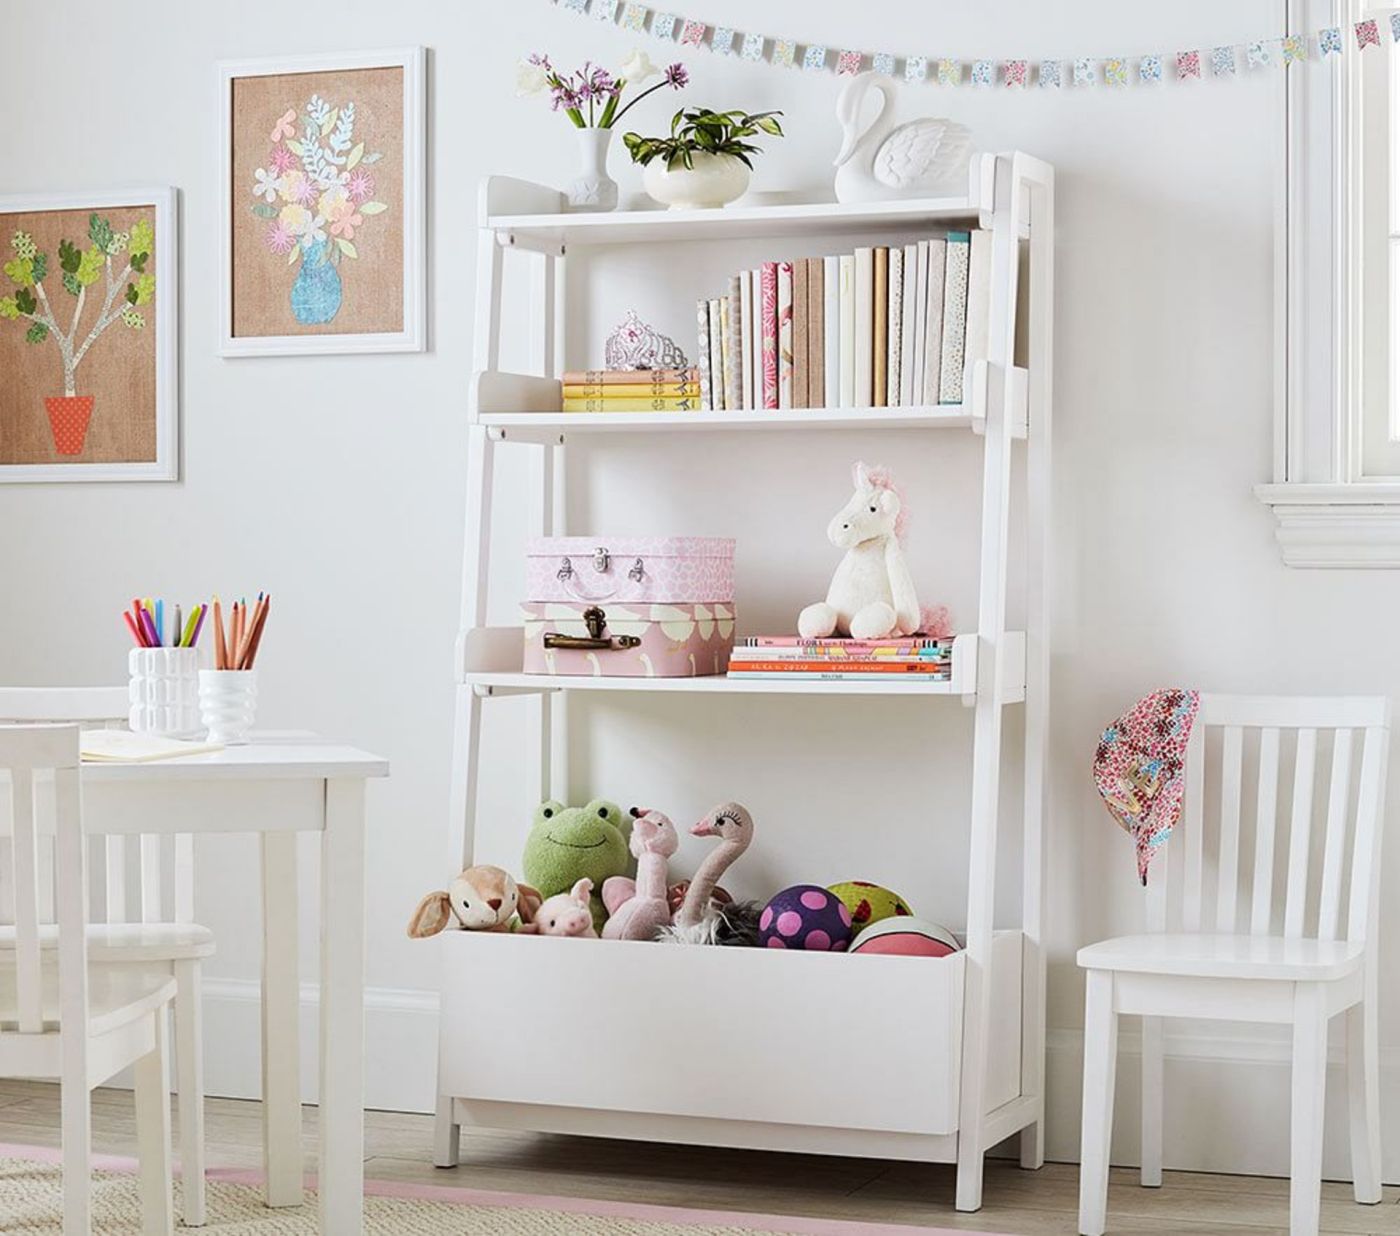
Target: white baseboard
[(1227, 1106)]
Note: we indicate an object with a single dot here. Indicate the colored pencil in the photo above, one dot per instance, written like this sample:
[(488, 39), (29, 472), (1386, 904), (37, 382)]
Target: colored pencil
[(135, 633), (177, 628), (197, 618), (259, 622), (149, 626), (247, 642), (220, 648)]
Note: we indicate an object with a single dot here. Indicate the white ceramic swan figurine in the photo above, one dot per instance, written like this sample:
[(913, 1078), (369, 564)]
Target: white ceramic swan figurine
[(879, 161)]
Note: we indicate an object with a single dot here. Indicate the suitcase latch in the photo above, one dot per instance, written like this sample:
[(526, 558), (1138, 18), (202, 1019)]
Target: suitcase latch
[(637, 571), (601, 560), (597, 622)]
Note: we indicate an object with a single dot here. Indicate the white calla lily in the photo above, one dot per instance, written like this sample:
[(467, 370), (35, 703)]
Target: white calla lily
[(637, 67), (530, 79)]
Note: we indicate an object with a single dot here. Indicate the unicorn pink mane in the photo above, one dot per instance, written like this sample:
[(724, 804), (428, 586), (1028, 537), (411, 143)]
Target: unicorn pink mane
[(882, 478)]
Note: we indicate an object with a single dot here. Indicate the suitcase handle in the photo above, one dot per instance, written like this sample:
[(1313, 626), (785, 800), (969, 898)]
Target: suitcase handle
[(602, 564), (597, 622)]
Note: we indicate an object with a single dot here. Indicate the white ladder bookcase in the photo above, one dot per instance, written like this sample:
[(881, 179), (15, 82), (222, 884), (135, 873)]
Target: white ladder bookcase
[(962, 1060)]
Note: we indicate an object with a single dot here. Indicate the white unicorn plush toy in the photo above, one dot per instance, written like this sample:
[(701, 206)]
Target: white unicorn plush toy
[(872, 594)]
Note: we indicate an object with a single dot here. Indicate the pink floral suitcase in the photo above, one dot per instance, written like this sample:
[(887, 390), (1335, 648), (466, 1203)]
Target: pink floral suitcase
[(676, 569), (628, 640)]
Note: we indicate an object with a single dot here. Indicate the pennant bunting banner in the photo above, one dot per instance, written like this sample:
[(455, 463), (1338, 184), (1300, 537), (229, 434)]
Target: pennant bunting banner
[(1014, 74)]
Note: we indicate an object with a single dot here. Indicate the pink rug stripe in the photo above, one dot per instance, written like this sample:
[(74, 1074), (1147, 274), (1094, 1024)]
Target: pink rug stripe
[(794, 1224)]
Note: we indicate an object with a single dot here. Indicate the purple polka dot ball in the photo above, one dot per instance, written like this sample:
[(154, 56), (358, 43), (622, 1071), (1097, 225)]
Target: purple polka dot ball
[(805, 916)]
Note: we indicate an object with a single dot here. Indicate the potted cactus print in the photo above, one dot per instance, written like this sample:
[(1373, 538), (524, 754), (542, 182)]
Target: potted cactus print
[(105, 263), (315, 192)]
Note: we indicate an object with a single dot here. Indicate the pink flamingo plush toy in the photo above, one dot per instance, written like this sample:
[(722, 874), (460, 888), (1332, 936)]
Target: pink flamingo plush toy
[(636, 910)]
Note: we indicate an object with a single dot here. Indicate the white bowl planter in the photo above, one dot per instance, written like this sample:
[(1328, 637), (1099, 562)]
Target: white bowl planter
[(714, 180)]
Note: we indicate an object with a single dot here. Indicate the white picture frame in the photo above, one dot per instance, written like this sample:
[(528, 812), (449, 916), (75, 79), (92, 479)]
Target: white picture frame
[(413, 336), (166, 465)]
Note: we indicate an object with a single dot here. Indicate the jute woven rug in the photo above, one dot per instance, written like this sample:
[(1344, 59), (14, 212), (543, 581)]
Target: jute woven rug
[(31, 1192)]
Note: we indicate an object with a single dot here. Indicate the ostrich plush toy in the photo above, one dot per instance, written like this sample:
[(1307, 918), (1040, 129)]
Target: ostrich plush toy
[(701, 920), (872, 593)]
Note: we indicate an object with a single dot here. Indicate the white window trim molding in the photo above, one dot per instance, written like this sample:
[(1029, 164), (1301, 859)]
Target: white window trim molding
[(1327, 514)]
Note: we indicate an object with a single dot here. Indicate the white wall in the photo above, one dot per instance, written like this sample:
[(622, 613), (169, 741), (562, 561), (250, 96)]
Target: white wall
[(337, 484)]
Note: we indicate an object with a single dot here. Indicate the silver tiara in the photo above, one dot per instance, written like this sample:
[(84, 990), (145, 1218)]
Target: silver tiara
[(636, 345)]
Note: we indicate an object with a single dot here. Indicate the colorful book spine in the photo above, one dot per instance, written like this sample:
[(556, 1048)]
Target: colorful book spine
[(847, 669), (734, 358), (768, 294), (631, 390), (816, 333), (831, 322), (801, 336), (747, 360), (863, 345), (785, 345), (895, 341), (851, 645), (950, 380), (933, 332), (929, 657), (846, 358), (908, 326), (627, 377), (646, 404), (702, 330), (717, 377)]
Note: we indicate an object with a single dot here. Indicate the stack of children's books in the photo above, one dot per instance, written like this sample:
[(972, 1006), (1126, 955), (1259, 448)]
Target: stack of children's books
[(632, 390), (884, 327), (914, 658)]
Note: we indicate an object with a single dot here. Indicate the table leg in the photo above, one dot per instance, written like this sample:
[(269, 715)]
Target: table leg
[(343, 1008), (281, 1031)]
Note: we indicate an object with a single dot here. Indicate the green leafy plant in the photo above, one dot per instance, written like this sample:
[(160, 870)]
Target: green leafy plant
[(701, 131), (80, 268)]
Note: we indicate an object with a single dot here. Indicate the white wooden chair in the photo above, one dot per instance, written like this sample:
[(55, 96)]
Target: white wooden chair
[(61, 1016), (157, 931), (1296, 963)]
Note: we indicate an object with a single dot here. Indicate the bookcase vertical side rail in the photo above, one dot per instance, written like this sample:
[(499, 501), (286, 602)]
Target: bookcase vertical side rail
[(539, 727), (1037, 183), (989, 713)]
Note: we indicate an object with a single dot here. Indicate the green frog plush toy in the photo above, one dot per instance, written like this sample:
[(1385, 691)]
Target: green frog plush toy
[(567, 844)]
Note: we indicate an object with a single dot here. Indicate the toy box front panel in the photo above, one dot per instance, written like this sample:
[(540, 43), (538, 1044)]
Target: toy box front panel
[(672, 641)]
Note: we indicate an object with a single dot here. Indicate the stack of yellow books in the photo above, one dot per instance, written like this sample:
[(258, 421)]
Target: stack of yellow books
[(632, 390)]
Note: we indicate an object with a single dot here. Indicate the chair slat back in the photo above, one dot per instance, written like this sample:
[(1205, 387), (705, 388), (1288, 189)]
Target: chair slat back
[(1231, 852), (28, 754), (110, 901)]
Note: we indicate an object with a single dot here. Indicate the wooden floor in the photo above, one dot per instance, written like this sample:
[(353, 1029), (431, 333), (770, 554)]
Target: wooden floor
[(399, 1147)]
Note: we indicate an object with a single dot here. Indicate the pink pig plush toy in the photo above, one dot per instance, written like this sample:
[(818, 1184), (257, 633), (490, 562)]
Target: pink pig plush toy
[(567, 914)]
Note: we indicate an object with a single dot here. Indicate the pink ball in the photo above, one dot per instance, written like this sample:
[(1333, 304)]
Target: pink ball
[(807, 917)]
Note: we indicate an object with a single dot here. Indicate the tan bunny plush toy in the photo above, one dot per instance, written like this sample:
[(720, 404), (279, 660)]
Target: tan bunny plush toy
[(481, 899)]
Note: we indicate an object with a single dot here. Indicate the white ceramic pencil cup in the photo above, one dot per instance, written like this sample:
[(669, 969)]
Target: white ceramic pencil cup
[(163, 692), (227, 701)]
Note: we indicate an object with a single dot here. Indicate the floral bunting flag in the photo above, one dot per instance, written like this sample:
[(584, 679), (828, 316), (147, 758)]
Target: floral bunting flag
[(1188, 64), (883, 62), (1294, 49), (1083, 71), (983, 72), (784, 53), (848, 63), (814, 58), (723, 41), (1018, 73), (1395, 27), (1115, 71), (663, 25), (692, 33), (634, 17), (1258, 56), (605, 10), (1222, 61), (576, 6), (1368, 34), (753, 47), (1050, 74), (1150, 70), (916, 69), (1330, 41), (950, 72)]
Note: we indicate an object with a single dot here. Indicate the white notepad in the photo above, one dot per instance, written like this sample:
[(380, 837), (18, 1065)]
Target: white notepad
[(124, 747)]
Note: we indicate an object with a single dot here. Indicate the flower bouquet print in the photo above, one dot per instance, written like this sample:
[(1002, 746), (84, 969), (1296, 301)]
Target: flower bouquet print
[(315, 192), (86, 336), (324, 200)]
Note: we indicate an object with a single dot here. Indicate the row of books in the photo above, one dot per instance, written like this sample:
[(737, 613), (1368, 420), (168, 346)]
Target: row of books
[(631, 390), (885, 326), (912, 658)]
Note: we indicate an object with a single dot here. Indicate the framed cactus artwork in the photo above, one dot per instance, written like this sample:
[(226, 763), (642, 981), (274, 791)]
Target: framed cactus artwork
[(324, 204), (88, 338)]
